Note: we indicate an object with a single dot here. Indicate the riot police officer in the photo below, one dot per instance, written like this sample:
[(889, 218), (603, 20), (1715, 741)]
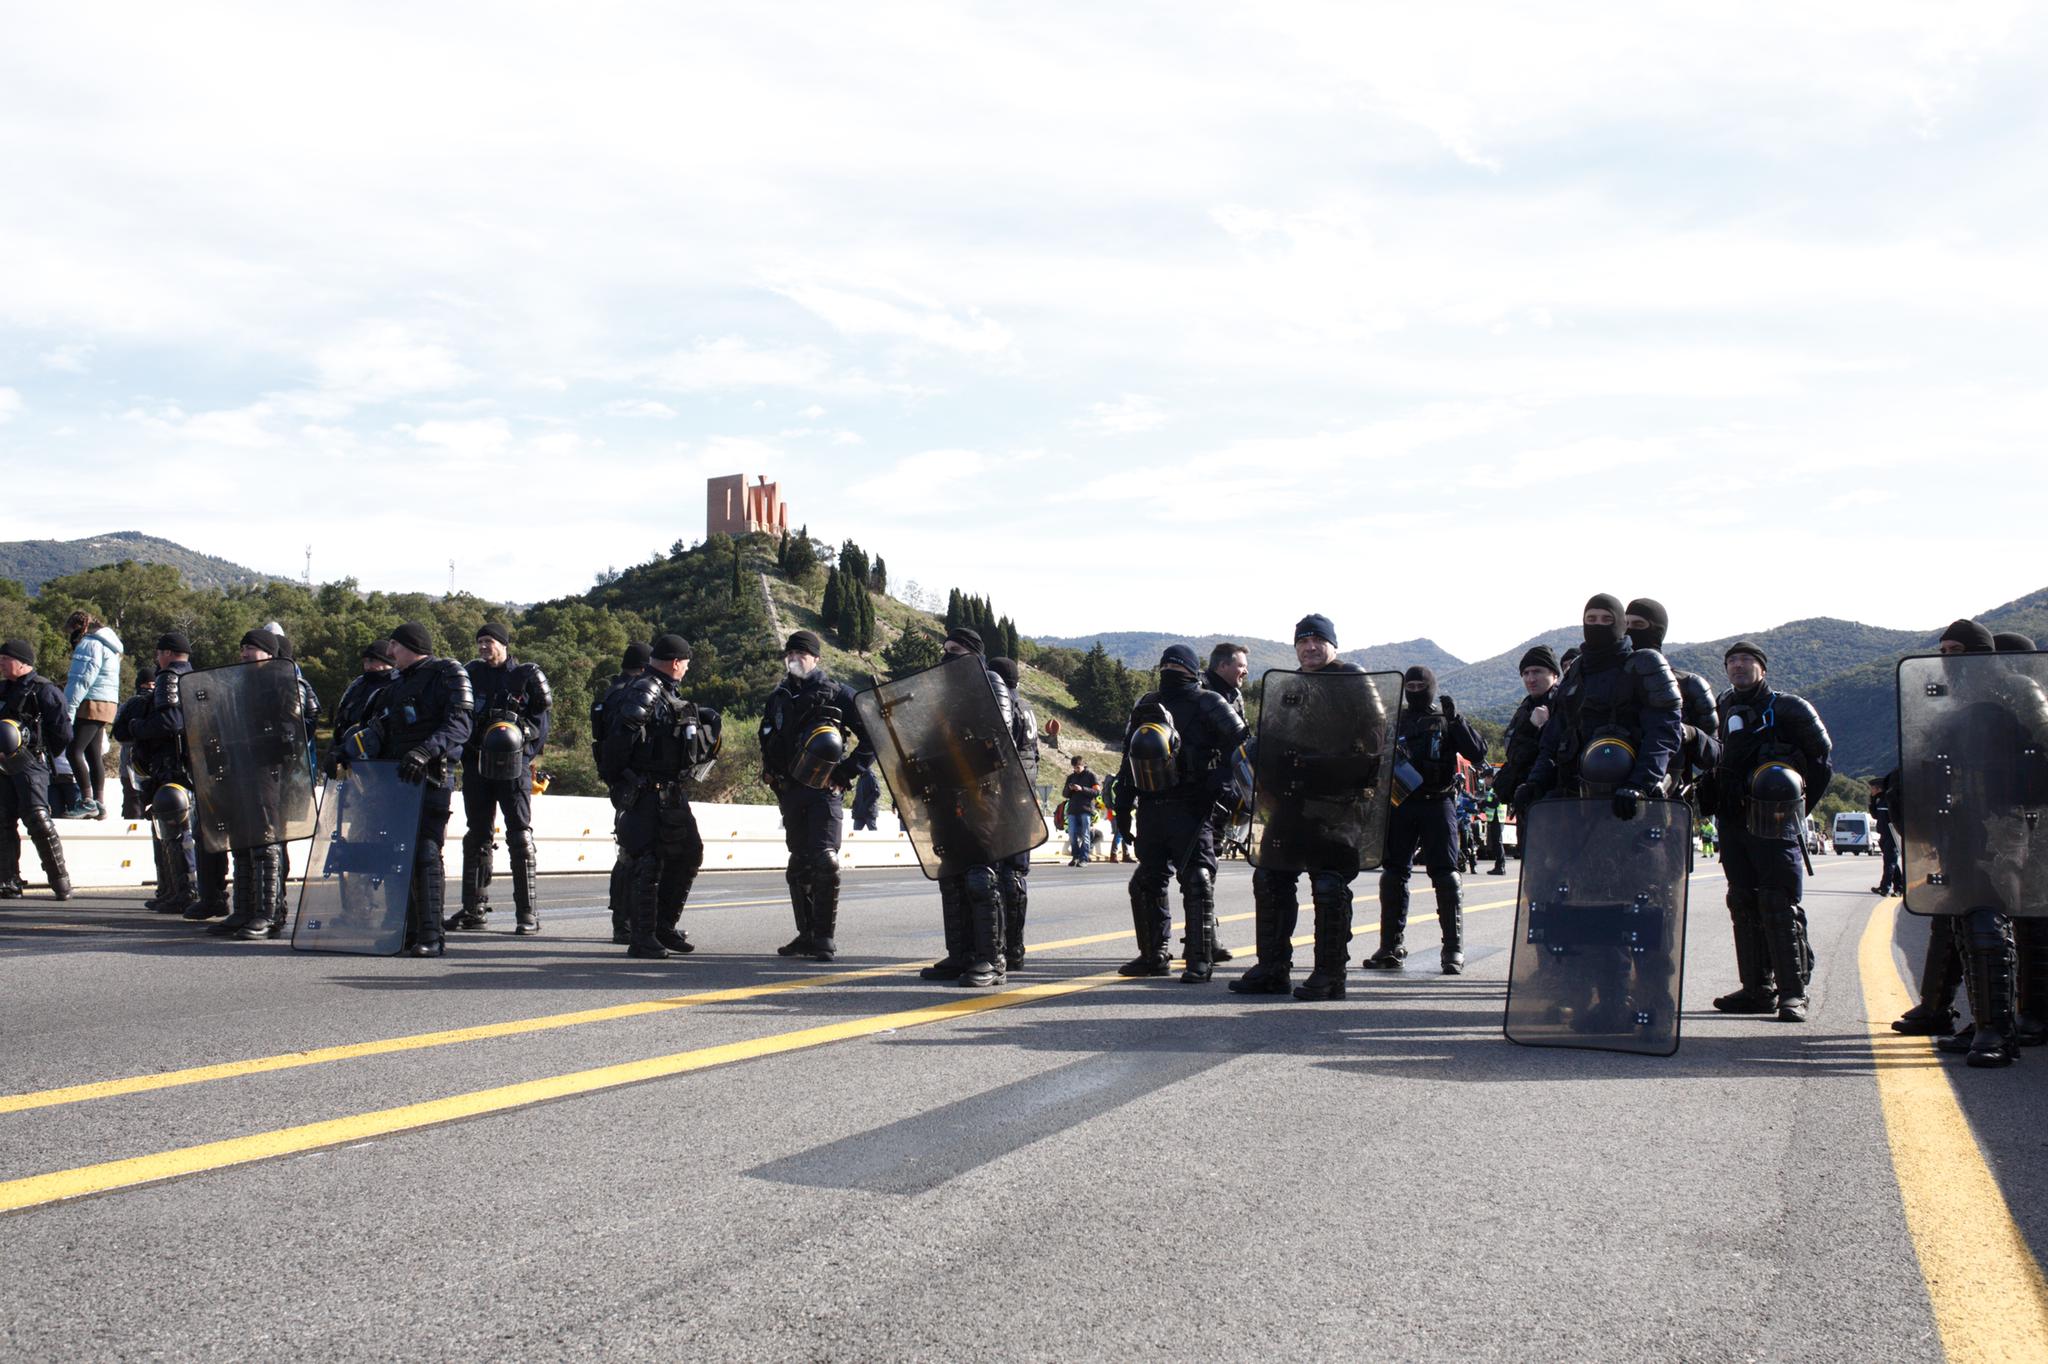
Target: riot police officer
[(812, 749), (1177, 749), (1620, 708), (1274, 892), (1229, 666), (1429, 738), (261, 899), (970, 906), (354, 705), (34, 724), (656, 744), (620, 891), (507, 733), (422, 718), (1524, 737), (196, 879), (1648, 622), (1013, 872), (2030, 932), (1775, 760)]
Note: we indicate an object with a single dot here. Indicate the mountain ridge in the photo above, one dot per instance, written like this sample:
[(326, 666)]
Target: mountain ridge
[(35, 562)]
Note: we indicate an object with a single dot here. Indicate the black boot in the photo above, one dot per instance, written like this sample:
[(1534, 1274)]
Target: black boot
[(280, 904), (1198, 948), (1941, 975), (263, 865), (1791, 960), (1450, 917), (520, 849), (620, 899), (1993, 970), (1759, 987), (669, 931), (1393, 948), (799, 879), (244, 896), (475, 870), (43, 833), (825, 907), (429, 894), (646, 912), (984, 931), (2031, 935), (1333, 944), (1013, 881), (1153, 924), (1274, 913), (953, 917)]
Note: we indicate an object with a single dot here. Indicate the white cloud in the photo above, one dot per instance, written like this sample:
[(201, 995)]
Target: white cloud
[(470, 440), (69, 358), (885, 308), (10, 405), (639, 407), (1127, 415), (386, 360), (730, 362)]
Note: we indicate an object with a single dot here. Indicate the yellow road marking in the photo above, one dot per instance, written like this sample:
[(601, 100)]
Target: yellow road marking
[(109, 1176), (1990, 1300)]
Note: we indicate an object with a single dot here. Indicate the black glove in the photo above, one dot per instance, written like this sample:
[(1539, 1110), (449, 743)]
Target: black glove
[(1526, 795), (1122, 824), (1450, 706), (1627, 801), (413, 766), (334, 766)]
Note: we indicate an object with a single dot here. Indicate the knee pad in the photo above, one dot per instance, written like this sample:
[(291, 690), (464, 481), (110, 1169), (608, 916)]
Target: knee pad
[(520, 841), (1445, 880), (978, 882), (1741, 902), (798, 873), (1329, 888), (825, 867), (1199, 886), (1393, 878), (1772, 901), (477, 840), (1987, 930)]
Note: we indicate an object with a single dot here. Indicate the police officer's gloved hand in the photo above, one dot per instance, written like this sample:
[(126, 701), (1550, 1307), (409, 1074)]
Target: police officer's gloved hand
[(1123, 827), (1627, 801), (333, 767), (1450, 706), (413, 766), (1526, 795)]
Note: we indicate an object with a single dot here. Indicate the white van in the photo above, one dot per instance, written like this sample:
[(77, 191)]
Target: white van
[(1855, 832)]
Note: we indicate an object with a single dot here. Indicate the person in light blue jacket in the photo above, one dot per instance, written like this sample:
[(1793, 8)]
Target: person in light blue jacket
[(92, 693)]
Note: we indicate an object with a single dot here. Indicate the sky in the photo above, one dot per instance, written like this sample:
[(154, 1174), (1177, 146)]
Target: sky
[(1177, 317)]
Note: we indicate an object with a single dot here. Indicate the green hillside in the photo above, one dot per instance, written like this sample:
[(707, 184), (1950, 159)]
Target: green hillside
[(35, 562)]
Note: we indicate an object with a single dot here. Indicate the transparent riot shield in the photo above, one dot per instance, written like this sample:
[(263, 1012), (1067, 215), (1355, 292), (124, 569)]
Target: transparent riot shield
[(1599, 948), (1973, 773), (245, 730), (952, 766), (359, 872), (1322, 770)]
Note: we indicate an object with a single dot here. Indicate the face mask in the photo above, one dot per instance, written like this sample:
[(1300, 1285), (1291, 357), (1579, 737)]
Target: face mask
[(1417, 700), (797, 668)]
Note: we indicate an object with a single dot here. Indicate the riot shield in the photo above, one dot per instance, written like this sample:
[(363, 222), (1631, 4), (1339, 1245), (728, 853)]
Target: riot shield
[(246, 733), (1973, 765), (360, 870), (1599, 949), (952, 766), (1322, 778)]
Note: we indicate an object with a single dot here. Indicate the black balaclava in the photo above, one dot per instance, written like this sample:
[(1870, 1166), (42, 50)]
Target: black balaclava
[(1603, 642), (1425, 698), (2007, 642), (1660, 622), (1975, 638)]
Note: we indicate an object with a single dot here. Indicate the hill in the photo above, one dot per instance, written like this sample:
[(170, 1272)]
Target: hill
[(1141, 649), (35, 562)]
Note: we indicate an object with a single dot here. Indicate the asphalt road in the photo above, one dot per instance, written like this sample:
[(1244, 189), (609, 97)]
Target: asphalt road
[(815, 1165)]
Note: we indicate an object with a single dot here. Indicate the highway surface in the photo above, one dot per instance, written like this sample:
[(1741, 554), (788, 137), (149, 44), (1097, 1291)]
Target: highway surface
[(537, 1148)]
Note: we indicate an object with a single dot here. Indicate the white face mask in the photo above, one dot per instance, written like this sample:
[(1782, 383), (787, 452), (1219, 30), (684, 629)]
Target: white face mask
[(797, 667)]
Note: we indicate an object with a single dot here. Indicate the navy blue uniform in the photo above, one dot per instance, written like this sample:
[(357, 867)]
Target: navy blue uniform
[(517, 692), (36, 704), (619, 891), (1176, 832), (422, 718), (1620, 691), (197, 879), (1426, 822), (812, 817), (654, 740)]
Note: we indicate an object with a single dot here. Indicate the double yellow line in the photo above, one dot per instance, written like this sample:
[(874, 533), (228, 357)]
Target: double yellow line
[(108, 1176)]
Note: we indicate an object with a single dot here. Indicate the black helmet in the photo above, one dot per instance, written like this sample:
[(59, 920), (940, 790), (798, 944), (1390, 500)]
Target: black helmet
[(361, 743), (501, 754), (1605, 763), (13, 747), (825, 745), (1777, 801), (1153, 748), (169, 808)]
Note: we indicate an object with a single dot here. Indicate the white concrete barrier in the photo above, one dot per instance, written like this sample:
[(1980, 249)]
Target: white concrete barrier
[(572, 835)]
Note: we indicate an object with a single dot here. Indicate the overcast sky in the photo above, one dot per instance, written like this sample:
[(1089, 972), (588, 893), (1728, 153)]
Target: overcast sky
[(1179, 316)]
